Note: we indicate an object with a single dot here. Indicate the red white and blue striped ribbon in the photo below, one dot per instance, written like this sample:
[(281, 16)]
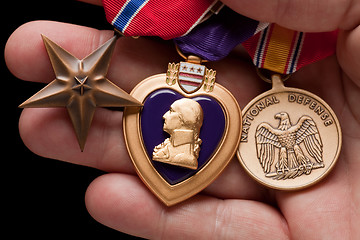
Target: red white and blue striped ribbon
[(167, 19)]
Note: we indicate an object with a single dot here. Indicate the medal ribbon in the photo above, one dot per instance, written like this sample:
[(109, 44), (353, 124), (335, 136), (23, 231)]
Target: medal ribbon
[(271, 46), (167, 19), (215, 38), (285, 51)]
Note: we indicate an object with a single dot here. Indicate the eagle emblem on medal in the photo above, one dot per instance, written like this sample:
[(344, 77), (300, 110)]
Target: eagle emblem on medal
[(287, 138), (186, 132)]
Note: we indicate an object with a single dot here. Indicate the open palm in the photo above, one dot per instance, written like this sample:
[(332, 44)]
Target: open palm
[(234, 206)]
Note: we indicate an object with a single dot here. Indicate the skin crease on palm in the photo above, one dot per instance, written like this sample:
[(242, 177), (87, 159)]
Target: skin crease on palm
[(234, 205)]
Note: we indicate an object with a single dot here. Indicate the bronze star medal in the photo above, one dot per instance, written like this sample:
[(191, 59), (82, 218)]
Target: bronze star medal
[(80, 86)]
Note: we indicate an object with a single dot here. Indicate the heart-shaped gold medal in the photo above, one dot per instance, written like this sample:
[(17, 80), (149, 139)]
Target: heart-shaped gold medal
[(186, 132)]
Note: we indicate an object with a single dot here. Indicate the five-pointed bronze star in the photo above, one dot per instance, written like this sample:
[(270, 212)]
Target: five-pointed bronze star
[(80, 86)]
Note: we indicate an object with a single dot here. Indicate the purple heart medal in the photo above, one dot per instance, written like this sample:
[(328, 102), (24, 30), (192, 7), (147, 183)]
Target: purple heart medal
[(189, 126), (185, 134)]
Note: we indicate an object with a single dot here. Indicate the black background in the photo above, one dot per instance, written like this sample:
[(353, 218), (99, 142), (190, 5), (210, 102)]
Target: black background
[(42, 197)]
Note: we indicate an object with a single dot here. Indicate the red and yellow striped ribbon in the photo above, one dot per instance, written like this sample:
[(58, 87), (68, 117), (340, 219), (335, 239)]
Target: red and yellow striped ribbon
[(285, 51)]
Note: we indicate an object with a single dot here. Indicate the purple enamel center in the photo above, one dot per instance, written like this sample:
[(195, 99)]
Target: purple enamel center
[(155, 106)]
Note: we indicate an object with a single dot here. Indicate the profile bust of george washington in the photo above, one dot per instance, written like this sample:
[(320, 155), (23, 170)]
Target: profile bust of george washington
[(182, 122)]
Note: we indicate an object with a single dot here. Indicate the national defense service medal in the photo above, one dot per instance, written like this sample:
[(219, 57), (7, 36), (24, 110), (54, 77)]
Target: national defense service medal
[(186, 132), (290, 138)]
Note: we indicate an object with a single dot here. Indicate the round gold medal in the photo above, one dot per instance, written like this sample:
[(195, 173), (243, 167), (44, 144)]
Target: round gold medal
[(290, 138)]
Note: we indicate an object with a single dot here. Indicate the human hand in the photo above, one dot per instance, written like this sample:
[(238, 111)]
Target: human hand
[(234, 205)]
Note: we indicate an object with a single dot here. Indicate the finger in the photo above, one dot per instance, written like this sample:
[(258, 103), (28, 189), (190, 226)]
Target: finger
[(95, 2), (234, 182), (27, 59), (348, 50), (49, 133), (25, 52), (122, 202), (321, 15), (323, 211)]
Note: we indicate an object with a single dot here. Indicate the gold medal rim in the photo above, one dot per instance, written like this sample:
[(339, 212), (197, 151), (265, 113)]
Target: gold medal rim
[(328, 108), (173, 194)]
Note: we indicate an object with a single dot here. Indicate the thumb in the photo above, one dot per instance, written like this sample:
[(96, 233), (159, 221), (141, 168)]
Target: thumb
[(348, 51), (301, 15), (122, 202)]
